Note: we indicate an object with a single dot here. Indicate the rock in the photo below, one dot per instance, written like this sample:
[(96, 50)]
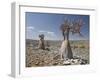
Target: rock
[(55, 63), (76, 57), (56, 57), (74, 62), (83, 62), (67, 62)]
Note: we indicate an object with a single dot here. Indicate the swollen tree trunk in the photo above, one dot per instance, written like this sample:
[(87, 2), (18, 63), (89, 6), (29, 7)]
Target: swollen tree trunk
[(68, 50), (70, 54), (65, 50), (41, 44)]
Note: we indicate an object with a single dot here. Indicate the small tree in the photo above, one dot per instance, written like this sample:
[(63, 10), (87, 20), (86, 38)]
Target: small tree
[(41, 42)]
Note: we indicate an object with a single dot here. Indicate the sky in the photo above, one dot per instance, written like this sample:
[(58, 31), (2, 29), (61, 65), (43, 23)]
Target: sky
[(49, 25)]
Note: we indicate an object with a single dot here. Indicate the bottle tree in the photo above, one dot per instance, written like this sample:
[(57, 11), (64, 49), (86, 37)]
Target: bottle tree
[(41, 44), (68, 27)]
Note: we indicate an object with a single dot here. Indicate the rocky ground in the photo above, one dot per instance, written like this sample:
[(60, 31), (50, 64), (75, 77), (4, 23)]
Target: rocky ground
[(50, 57)]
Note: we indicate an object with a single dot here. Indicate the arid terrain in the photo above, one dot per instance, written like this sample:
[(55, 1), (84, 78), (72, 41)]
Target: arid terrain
[(50, 57)]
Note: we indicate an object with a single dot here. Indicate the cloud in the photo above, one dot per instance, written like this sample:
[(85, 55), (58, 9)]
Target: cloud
[(41, 31), (47, 32), (32, 33), (50, 32), (30, 28), (49, 35)]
